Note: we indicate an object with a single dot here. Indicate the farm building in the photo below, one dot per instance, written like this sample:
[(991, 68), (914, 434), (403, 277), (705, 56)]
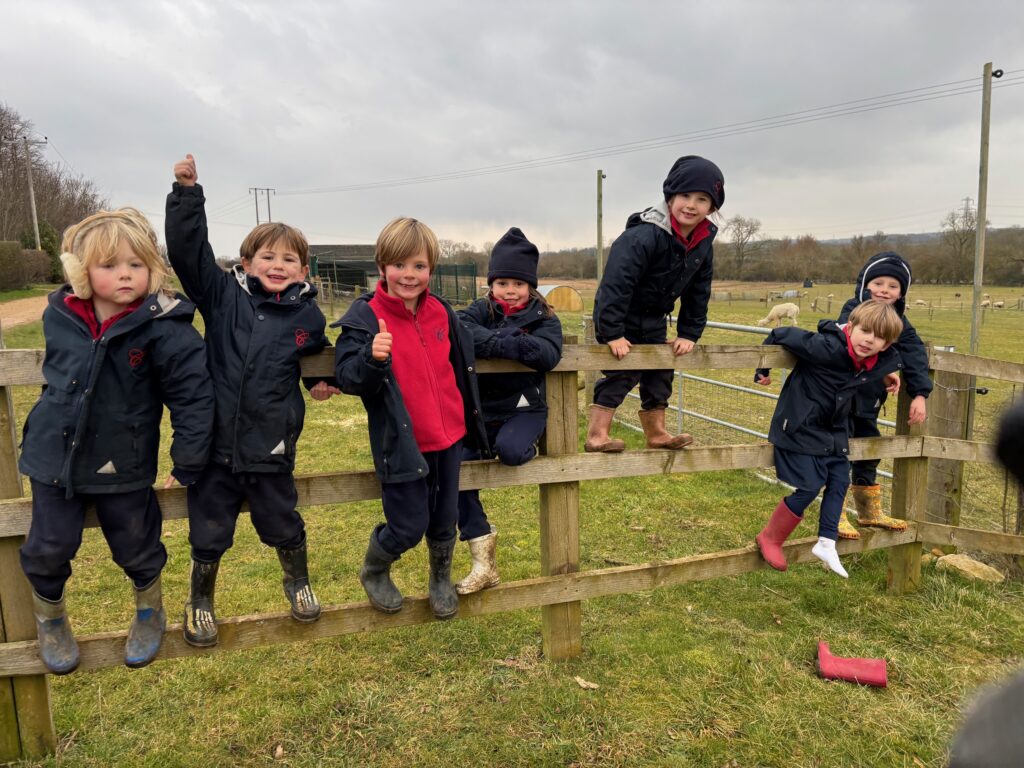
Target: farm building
[(353, 266), (562, 298)]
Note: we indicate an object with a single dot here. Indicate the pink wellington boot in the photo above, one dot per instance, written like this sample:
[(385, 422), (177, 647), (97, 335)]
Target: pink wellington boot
[(863, 671), (774, 535)]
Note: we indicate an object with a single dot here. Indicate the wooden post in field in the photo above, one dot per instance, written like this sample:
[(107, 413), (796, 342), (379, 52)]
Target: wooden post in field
[(947, 417), (909, 500), (589, 377), (26, 724), (560, 518)]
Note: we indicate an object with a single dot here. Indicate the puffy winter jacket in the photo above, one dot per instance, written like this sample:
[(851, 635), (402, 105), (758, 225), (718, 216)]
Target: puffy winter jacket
[(396, 456), (96, 426), (529, 337), (254, 340), (648, 269), (813, 412)]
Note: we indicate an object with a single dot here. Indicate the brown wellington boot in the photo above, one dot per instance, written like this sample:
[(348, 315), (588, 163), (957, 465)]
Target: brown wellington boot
[(657, 436), (868, 500), (846, 531), (598, 439), (484, 573)]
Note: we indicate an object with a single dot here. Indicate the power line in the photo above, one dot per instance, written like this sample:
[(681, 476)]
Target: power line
[(857, 106)]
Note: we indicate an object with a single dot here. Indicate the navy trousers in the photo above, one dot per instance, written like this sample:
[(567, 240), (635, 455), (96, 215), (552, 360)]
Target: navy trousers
[(427, 506), (130, 522), (215, 501), (514, 441), (865, 471), (809, 474)]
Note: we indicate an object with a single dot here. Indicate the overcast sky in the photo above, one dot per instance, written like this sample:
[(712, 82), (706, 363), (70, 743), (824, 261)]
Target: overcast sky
[(312, 97)]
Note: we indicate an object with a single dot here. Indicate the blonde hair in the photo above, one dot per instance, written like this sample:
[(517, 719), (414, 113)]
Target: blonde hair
[(404, 237), (881, 319), (95, 240), (274, 232)]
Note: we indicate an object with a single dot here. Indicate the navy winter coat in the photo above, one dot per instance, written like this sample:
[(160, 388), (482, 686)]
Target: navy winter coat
[(503, 395), (909, 345), (96, 426), (648, 269), (396, 456), (813, 412), (254, 340)]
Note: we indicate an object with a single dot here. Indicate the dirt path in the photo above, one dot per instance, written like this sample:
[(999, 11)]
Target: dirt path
[(21, 311)]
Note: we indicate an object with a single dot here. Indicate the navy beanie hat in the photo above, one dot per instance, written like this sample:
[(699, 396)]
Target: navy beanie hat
[(695, 174), (514, 257), (889, 264)]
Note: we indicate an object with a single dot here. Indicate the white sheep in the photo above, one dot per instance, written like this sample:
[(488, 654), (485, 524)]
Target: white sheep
[(986, 296), (778, 312), (920, 303), (985, 304), (998, 304)]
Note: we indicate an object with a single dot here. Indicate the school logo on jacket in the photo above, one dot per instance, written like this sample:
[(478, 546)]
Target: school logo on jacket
[(135, 357), (301, 337)]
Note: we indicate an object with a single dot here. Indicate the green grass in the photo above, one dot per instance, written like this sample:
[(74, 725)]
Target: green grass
[(697, 675), (25, 293)]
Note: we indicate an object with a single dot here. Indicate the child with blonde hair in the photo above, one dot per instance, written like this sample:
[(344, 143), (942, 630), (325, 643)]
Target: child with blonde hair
[(118, 347), (404, 352), (811, 425)]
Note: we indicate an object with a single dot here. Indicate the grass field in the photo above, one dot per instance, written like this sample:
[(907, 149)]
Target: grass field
[(717, 673)]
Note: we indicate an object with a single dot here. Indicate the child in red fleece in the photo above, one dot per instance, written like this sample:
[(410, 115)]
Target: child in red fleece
[(403, 351)]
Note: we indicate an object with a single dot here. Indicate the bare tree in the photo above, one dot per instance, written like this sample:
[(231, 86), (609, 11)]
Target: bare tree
[(958, 230), (744, 239)]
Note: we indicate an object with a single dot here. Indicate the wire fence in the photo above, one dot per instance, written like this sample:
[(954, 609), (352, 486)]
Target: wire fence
[(726, 408)]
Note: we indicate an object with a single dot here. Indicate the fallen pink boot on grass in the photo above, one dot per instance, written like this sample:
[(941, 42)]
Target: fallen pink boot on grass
[(863, 671)]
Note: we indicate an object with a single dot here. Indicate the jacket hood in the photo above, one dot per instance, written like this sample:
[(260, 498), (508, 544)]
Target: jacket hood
[(885, 263), (252, 285)]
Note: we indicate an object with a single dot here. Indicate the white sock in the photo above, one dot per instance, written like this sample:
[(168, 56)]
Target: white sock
[(825, 550)]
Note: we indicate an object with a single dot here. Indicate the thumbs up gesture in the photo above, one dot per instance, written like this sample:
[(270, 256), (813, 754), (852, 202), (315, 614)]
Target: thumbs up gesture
[(381, 348), (185, 171)]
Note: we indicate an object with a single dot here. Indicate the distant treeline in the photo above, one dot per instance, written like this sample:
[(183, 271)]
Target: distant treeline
[(942, 257)]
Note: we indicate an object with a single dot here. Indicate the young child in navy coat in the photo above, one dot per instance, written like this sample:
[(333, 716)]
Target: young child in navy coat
[(404, 352), (512, 322), (811, 426), (665, 254), (261, 320), (118, 348), (885, 278)]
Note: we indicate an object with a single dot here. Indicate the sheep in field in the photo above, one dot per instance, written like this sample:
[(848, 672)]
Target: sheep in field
[(778, 312), (986, 303), (920, 303), (998, 304)]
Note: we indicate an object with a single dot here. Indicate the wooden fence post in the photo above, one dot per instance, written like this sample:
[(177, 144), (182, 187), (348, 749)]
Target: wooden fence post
[(909, 500), (589, 377), (560, 518), (947, 417), (26, 723)]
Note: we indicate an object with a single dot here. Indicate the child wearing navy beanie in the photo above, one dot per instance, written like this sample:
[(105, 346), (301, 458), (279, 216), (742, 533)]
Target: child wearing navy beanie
[(512, 322), (665, 254)]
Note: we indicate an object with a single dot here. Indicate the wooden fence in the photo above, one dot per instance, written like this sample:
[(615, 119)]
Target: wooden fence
[(26, 725)]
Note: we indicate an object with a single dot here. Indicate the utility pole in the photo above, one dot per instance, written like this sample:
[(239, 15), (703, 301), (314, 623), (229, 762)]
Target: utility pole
[(979, 226), (600, 216), (31, 189), (256, 198)]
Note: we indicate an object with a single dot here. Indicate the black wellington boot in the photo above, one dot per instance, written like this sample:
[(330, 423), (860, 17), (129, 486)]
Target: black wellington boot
[(444, 600), (375, 576), (305, 606), (200, 625), (57, 646)]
